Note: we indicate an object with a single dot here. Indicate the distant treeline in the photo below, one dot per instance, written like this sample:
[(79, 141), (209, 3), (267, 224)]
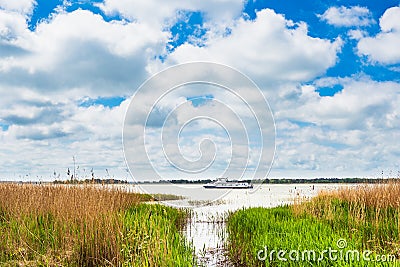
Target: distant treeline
[(321, 181), (91, 181), (279, 181)]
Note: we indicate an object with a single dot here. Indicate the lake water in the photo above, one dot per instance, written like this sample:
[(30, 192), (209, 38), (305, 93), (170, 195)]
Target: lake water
[(206, 229)]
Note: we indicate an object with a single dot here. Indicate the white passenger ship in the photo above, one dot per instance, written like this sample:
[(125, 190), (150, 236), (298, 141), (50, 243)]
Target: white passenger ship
[(224, 183)]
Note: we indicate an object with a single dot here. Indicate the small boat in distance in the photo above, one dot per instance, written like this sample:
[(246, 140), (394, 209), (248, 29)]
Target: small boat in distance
[(223, 183)]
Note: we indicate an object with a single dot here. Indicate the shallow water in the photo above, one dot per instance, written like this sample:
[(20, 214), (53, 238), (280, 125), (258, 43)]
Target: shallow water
[(206, 229)]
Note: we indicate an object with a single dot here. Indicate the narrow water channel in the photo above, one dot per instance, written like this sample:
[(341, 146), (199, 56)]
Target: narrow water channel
[(206, 228)]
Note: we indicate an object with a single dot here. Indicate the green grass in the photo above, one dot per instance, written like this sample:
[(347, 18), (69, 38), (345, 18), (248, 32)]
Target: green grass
[(88, 226), (152, 238), (316, 225)]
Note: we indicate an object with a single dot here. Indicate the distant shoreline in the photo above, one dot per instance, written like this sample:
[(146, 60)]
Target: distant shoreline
[(199, 181), (281, 181)]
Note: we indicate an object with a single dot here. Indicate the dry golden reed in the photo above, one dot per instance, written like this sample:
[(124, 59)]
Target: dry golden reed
[(68, 202), (370, 211), (84, 225)]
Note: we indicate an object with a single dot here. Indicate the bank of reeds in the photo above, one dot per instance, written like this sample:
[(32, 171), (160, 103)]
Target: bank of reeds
[(87, 225), (367, 217), (370, 212)]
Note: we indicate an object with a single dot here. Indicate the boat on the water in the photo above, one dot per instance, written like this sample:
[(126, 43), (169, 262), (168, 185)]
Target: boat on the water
[(223, 183)]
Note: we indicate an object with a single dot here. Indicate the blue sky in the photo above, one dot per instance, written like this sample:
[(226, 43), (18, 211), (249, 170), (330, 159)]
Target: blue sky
[(330, 71)]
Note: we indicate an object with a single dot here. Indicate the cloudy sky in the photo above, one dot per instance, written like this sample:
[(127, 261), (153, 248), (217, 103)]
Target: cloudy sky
[(330, 71)]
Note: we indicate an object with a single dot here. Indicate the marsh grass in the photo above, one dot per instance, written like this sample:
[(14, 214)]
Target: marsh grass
[(86, 225), (371, 212), (366, 216)]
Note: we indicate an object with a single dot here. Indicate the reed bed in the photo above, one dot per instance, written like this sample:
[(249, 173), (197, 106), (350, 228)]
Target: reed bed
[(87, 225), (367, 217), (369, 211)]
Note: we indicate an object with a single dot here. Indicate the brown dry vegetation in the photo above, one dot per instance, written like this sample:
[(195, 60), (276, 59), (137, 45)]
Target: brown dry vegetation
[(68, 202), (83, 225), (369, 211)]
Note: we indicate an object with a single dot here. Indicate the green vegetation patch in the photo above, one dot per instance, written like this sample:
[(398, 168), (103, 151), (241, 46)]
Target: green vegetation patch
[(312, 236)]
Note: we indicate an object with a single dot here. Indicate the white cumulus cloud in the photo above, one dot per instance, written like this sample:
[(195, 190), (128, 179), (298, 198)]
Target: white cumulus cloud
[(77, 50), (354, 131), (384, 47), (347, 16), (20, 6), (157, 12), (270, 48)]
